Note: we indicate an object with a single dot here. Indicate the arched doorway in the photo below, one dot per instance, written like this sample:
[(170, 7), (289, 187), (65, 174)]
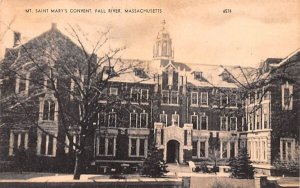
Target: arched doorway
[(172, 151)]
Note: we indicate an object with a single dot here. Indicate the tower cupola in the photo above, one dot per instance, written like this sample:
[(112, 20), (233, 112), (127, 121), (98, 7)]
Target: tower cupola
[(162, 48)]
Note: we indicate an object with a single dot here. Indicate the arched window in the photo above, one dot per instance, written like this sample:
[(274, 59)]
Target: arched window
[(49, 109)]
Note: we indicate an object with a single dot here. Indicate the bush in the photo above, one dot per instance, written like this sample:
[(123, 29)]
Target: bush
[(241, 166)]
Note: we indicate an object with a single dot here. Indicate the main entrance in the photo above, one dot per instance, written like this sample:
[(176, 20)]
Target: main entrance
[(173, 151)]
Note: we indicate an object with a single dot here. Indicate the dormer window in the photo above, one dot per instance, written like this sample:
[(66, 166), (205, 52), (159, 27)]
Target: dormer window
[(109, 70), (198, 75), (139, 72)]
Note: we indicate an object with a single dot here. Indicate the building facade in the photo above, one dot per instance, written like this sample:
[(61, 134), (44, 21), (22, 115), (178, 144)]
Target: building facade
[(190, 111)]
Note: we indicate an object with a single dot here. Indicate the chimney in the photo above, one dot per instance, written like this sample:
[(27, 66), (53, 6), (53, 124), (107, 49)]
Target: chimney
[(17, 38), (53, 26)]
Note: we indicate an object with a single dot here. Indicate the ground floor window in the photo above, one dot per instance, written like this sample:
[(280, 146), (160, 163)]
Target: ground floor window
[(195, 149), (224, 149), (199, 149), (18, 139), (46, 144), (105, 145), (202, 149), (138, 147)]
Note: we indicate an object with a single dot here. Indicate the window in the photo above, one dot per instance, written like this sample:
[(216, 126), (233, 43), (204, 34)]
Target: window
[(112, 119), (165, 97), (163, 118), (204, 98), (144, 95), (258, 120), (202, 149), (223, 123), (137, 147), (134, 95), (144, 120), (204, 122), (175, 119), (287, 96), (198, 75), (244, 124), (101, 121), (105, 145), (224, 99), (194, 98), (232, 149), (133, 147), (113, 91), (49, 109), (287, 147), (233, 100), (174, 97), (110, 146), (224, 149), (101, 145), (142, 147), (195, 146), (17, 140), (233, 123), (46, 145), (266, 121), (194, 121), (133, 119)]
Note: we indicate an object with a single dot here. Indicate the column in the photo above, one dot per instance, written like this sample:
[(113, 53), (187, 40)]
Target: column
[(198, 148), (47, 143), (54, 146), (206, 148), (221, 149), (146, 147), (129, 147), (11, 143), (38, 151), (26, 141), (19, 139), (236, 149), (115, 142)]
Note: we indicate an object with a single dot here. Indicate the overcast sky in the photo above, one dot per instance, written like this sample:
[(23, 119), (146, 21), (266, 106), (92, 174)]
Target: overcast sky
[(201, 32)]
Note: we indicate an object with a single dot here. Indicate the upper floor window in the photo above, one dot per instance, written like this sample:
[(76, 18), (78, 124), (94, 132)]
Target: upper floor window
[(194, 121), (144, 95), (233, 100), (144, 120), (165, 97), (223, 123), (134, 95), (174, 97), (163, 118), (198, 76), (175, 119), (101, 119), (194, 98), (204, 98), (113, 91), (204, 122), (287, 96), (223, 99), (133, 119), (287, 148), (233, 123), (49, 110), (112, 119)]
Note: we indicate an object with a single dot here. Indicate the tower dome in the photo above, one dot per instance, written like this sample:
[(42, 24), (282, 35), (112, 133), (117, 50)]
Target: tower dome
[(162, 48)]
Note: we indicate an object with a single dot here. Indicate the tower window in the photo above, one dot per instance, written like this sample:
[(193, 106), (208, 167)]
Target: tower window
[(49, 110)]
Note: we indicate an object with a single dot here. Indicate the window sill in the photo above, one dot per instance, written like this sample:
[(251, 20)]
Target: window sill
[(204, 106), (40, 155)]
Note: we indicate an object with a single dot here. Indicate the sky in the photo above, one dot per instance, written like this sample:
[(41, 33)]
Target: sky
[(201, 33)]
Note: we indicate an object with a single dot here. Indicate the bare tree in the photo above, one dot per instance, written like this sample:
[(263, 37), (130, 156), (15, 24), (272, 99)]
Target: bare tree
[(66, 82)]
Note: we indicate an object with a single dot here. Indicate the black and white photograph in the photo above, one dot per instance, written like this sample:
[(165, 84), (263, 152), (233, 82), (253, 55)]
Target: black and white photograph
[(146, 94)]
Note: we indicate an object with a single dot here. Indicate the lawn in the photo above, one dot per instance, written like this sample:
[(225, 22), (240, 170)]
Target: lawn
[(220, 182)]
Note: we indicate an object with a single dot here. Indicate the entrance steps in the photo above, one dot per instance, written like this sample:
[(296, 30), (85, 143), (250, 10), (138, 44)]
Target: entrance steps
[(174, 167)]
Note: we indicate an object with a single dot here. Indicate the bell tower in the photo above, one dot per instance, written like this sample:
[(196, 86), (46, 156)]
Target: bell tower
[(162, 49)]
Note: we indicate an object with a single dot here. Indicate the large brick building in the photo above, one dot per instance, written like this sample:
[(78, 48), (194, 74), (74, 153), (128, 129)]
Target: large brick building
[(194, 111)]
